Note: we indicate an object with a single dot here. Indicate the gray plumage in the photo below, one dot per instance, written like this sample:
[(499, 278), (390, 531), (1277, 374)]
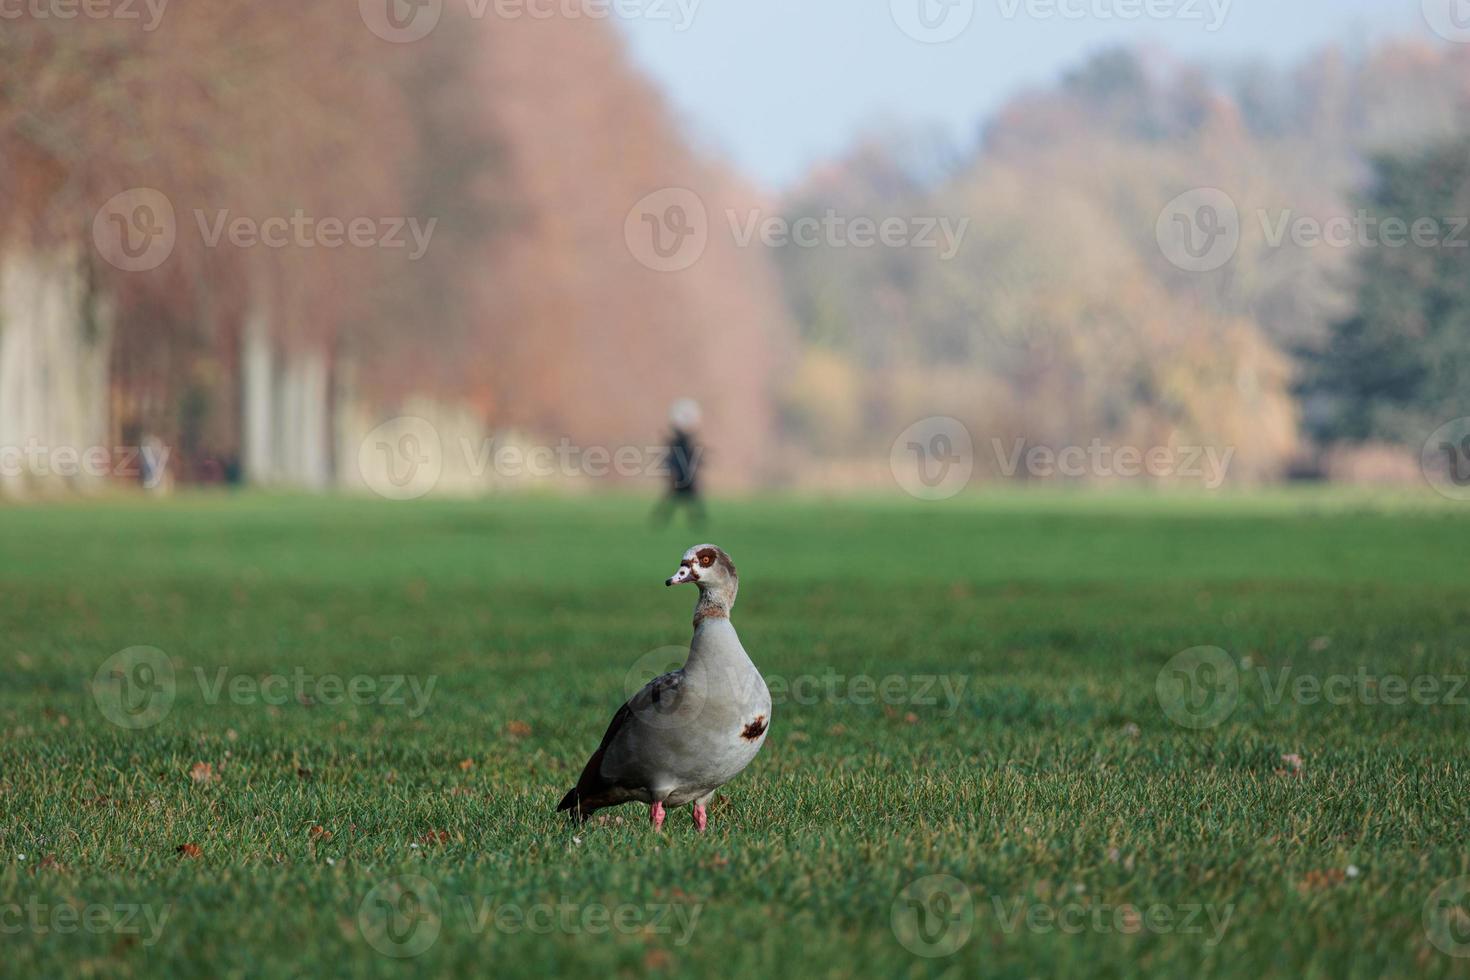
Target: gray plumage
[(690, 731)]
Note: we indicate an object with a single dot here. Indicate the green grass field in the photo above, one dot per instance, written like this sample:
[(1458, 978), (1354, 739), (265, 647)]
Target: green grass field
[(971, 689)]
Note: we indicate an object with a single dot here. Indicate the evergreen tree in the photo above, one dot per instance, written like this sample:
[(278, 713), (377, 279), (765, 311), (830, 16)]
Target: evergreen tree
[(1399, 366)]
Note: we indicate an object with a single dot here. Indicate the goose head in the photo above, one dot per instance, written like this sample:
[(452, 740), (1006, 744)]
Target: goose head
[(710, 568)]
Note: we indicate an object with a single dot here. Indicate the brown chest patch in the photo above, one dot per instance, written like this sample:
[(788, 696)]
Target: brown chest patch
[(755, 729)]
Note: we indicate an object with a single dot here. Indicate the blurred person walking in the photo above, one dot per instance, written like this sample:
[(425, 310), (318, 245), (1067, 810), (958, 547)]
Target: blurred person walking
[(682, 464)]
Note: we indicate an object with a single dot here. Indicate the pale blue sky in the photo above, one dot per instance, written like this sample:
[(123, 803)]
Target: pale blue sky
[(775, 85)]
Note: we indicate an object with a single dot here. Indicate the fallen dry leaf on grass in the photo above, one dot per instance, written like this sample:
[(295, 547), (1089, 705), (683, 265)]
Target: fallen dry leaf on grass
[(189, 850), (519, 729), (1317, 881), (203, 772)]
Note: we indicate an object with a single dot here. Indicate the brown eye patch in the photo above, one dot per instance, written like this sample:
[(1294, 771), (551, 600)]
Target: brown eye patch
[(714, 556)]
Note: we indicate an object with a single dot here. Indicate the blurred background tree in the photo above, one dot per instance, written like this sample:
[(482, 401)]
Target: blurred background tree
[(1057, 319), (1399, 365)]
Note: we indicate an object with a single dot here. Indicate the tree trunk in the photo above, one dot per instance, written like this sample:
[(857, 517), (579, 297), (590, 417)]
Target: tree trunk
[(55, 345), (285, 396)]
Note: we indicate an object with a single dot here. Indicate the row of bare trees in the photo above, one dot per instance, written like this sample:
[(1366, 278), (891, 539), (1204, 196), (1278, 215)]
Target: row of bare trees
[(1062, 319), (491, 287)]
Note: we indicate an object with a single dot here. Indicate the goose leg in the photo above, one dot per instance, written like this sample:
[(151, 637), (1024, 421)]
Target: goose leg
[(701, 817), (656, 816)]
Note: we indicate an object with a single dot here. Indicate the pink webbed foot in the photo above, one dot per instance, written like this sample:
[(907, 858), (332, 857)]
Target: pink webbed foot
[(701, 817), (656, 816)]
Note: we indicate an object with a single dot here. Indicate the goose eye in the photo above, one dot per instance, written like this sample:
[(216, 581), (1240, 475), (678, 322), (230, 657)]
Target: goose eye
[(705, 561)]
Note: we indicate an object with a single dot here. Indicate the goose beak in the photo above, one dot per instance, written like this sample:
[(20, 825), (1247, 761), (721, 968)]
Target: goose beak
[(684, 574)]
